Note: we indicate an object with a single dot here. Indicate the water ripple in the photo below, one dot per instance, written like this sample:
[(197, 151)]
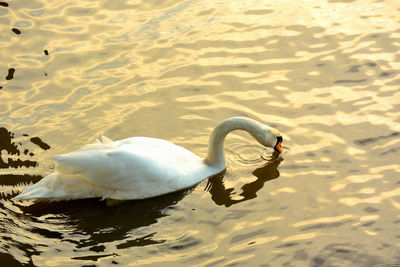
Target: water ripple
[(325, 74)]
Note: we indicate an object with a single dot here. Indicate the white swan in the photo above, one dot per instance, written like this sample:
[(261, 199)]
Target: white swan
[(140, 167)]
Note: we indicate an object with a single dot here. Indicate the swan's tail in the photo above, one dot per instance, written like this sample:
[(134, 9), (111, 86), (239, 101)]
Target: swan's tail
[(58, 186)]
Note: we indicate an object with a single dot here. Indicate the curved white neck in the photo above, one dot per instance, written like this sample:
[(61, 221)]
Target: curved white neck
[(216, 156)]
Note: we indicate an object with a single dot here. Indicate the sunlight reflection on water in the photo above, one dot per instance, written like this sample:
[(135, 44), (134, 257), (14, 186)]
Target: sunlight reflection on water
[(326, 74)]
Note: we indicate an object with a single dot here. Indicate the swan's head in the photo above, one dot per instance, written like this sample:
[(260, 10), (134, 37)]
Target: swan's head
[(270, 137)]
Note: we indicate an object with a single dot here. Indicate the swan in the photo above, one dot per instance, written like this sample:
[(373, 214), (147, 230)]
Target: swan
[(140, 167)]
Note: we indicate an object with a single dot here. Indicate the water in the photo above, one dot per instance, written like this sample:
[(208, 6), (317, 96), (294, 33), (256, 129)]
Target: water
[(325, 73)]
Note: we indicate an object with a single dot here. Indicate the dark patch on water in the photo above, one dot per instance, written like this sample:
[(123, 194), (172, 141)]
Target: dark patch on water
[(318, 261), (11, 163), (12, 148), (325, 225), (238, 238), (384, 74), (37, 141), (291, 244), (10, 74), (140, 242), (391, 150), (184, 246), (340, 250), (13, 179), (368, 224), (6, 143), (93, 258), (47, 233), (8, 260), (99, 248), (259, 12), (16, 31), (355, 68), (300, 255), (366, 141), (293, 167), (375, 35), (336, 253), (350, 81), (46, 52), (370, 210)]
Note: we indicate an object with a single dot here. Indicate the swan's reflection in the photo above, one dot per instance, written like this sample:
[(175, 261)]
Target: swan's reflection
[(222, 196), (94, 223)]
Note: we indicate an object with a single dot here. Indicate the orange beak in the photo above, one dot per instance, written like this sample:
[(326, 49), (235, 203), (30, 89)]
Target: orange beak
[(278, 147)]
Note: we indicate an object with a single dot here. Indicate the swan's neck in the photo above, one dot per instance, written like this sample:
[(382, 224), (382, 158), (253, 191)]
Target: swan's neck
[(216, 156)]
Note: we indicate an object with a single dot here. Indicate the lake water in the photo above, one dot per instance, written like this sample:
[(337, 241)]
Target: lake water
[(325, 73)]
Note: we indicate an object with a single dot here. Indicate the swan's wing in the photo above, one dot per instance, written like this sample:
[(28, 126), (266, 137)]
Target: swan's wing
[(83, 160), (119, 165)]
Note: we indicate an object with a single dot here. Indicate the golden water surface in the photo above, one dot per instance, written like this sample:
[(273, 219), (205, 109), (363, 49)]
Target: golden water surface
[(325, 73)]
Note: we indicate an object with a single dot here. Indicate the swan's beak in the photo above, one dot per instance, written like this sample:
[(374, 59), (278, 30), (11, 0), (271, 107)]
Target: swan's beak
[(278, 147)]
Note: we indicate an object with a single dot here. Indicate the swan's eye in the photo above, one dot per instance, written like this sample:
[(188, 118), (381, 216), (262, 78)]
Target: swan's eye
[(278, 147)]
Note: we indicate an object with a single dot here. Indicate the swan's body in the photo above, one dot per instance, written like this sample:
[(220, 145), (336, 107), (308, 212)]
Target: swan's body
[(140, 167)]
